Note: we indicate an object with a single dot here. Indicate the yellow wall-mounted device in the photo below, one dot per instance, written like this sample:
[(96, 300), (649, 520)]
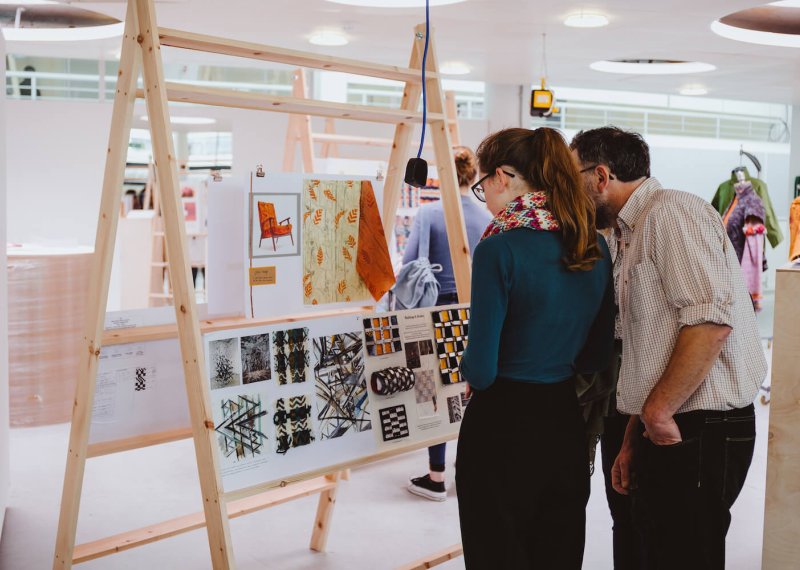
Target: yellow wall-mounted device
[(542, 101)]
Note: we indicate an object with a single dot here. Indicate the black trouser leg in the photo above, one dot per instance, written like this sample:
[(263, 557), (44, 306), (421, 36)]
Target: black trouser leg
[(522, 476), (685, 491), (628, 553)]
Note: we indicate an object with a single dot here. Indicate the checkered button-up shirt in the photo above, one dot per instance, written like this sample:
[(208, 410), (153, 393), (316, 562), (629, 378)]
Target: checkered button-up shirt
[(679, 269)]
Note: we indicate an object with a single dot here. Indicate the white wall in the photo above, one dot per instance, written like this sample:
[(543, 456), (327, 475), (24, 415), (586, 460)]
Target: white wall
[(4, 443), (56, 155)]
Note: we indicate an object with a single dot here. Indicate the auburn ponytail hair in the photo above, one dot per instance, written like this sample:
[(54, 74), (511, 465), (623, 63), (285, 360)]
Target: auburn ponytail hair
[(543, 160)]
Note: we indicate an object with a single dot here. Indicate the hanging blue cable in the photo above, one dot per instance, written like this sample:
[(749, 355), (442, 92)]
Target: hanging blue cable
[(424, 87)]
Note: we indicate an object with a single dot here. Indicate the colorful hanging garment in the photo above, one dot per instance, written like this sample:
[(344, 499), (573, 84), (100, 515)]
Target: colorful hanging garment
[(744, 224)]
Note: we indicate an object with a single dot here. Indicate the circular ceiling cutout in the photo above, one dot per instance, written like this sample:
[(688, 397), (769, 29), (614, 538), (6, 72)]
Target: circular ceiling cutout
[(774, 24), (651, 66), (395, 3)]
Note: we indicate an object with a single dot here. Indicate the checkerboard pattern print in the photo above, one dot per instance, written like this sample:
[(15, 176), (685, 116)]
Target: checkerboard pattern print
[(451, 328), (394, 423), (382, 335)]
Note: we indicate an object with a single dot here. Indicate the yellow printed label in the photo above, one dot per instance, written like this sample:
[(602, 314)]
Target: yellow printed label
[(262, 276)]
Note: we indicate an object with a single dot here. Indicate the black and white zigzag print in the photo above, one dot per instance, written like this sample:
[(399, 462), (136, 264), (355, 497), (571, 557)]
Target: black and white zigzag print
[(451, 328), (292, 423), (141, 379)]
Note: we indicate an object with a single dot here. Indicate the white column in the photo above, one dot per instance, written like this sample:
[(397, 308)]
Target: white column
[(505, 106), (4, 429)]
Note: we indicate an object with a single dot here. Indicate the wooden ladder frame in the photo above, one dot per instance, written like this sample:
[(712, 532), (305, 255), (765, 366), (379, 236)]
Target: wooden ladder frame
[(141, 50), (299, 131)]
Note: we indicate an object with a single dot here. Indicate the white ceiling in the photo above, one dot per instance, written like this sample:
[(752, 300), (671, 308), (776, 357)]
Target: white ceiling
[(500, 39)]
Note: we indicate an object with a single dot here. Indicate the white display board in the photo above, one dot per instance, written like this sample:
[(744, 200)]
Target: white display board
[(233, 226), (303, 396), (140, 391)]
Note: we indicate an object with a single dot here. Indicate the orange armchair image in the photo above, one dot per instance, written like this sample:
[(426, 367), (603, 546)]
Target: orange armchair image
[(270, 226)]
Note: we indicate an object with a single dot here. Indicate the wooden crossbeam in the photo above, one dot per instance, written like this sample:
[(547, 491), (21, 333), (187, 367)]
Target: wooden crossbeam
[(435, 559), (215, 97), (224, 46), (139, 537), (355, 140)]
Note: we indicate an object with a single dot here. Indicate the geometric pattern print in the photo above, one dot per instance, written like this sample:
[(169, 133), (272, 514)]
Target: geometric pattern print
[(240, 432), (425, 388), (331, 214), (382, 335), (451, 329), (394, 423), (292, 423), (341, 385), (392, 380), (141, 379), (290, 349), (527, 211), (454, 408)]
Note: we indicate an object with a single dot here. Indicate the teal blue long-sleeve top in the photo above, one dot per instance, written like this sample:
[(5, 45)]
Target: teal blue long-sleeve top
[(532, 320)]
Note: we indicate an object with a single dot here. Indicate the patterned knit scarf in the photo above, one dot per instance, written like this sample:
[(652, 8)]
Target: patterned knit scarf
[(526, 211)]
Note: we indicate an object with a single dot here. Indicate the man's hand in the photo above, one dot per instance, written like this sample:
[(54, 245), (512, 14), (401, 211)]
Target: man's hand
[(661, 429), (621, 472)]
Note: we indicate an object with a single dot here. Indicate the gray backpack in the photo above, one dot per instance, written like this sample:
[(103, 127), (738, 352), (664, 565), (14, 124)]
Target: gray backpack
[(416, 284)]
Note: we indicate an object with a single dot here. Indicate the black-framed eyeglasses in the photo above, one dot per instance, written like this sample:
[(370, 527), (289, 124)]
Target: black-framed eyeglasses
[(477, 189), (592, 167)]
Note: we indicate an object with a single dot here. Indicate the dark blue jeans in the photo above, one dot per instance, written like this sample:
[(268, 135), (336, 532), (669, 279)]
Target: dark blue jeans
[(436, 453), (685, 491)]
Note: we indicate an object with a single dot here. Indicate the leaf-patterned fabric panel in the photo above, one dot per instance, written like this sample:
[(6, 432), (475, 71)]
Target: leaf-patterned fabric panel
[(331, 213)]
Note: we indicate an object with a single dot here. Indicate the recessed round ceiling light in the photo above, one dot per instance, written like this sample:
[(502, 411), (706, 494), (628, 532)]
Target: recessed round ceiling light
[(26, 2), (694, 90), (755, 36), (455, 68), (328, 38), (582, 20), (651, 66), (187, 120), (395, 3), (786, 4), (64, 34)]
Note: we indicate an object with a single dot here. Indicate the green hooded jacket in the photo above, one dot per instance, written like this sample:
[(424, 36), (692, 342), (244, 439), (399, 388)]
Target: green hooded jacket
[(724, 196)]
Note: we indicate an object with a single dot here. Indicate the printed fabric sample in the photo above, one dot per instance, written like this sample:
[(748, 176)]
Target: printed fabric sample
[(341, 384), (394, 423), (425, 387), (225, 363), (290, 349), (292, 423), (331, 214), (382, 335), (255, 359), (140, 383), (413, 355), (374, 264), (454, 408), (240, 431), (451, 328), (392, 380)]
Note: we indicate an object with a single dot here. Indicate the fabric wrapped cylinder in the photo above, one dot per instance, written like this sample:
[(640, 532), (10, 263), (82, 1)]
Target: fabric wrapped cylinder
[(392, 380)]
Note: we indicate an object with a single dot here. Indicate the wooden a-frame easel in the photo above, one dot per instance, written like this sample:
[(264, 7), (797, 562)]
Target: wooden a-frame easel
[(141, 51), (299, 131)]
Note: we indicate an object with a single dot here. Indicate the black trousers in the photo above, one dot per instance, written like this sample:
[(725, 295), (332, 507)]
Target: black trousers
[(685, 491), (522, 476), (628, 552)]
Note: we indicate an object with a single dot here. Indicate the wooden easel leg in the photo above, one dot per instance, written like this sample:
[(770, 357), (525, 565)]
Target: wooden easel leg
[(197, 387), (322, 522), (448, 179), (124, 100), (452, 117), (401, 143)]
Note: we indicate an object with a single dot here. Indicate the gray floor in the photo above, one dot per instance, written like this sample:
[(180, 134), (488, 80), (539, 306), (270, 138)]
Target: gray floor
[(377, 524)]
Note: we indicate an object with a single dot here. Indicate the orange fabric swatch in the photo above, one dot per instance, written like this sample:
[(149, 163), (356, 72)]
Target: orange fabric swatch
[(794, 230), (373, 262)]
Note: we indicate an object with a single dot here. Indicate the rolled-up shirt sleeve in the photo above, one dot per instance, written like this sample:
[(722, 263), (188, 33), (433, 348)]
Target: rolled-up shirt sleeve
[(690, 251)]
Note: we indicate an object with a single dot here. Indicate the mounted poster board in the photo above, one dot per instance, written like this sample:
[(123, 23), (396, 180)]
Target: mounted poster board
[(296, 397)]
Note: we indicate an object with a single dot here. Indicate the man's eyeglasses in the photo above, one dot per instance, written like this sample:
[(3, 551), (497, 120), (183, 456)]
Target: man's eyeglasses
[(477, 189), (592, 167)]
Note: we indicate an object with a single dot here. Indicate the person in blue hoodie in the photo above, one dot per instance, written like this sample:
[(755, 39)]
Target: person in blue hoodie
[(476, 218), (542, 309)]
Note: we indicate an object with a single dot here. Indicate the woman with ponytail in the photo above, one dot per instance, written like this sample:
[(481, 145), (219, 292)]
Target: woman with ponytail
[(542, 310)]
